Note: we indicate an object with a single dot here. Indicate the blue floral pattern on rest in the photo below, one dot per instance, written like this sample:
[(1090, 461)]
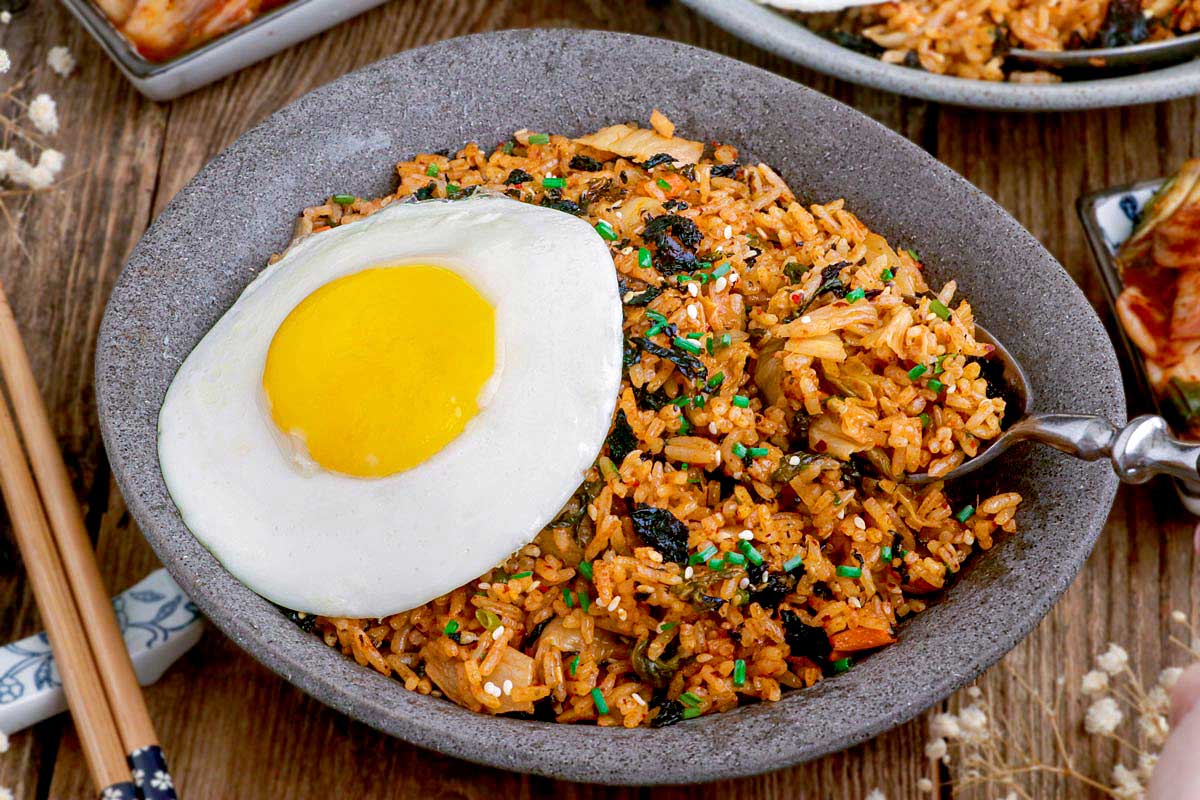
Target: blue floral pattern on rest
[(146, 617)]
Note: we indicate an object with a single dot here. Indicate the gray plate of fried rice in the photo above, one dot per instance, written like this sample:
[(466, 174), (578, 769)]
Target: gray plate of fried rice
[(743, 562), (951, 51)]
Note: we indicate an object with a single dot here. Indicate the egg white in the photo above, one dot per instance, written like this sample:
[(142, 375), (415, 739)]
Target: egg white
[(326, 543)]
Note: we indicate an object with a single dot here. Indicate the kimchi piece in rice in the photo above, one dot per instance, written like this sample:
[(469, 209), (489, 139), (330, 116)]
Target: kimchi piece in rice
[(746, 530), (1159, 307)]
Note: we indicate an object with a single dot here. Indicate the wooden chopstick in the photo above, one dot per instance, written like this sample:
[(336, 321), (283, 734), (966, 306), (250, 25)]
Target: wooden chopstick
[(102, 747), (125, 698)]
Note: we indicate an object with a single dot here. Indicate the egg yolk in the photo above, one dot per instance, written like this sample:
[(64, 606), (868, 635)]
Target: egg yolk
[(376, 371)]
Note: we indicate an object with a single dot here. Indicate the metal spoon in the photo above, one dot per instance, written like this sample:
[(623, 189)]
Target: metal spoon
[(1140, 450), (1156, 53)]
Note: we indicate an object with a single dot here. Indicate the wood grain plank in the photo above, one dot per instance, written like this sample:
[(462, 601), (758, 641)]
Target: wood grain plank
[(75, 239)]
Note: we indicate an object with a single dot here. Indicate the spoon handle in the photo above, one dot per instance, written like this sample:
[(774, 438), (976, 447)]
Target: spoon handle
[(1140, 450)]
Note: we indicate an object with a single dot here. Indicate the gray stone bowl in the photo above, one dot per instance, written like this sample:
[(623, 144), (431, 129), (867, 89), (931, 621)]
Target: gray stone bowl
[(346, 137), (772, 30)]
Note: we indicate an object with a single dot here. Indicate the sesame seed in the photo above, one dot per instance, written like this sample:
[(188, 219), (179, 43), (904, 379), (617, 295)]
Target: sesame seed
[(508, 687), (689, 573), (858, 523), (496, 634), (743, 583), (637, 698), (626, 251), (468, 638), (717, 462), (694, 289), (855, 602), (621, 615), (616, 601), (485, 585), (712, 428), (806, 319), (534, 585), (794, 461), (693, 311), (492, 689), (728, 231), (950, 389), (734, 277), (720, 284), (746, 535)]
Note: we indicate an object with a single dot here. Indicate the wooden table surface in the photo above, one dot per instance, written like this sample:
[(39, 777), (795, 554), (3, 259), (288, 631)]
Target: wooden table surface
[(234, 729)]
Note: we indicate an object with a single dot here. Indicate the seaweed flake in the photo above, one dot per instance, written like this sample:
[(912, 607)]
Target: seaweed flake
[(425, 192), (688, 364), (663, 531), (303, 621), (650, 401), (643, 298), (1124, 23), (656, 160), (856, 42), (725, 170), (770, 589), (582, 163), (562, 204), (669, 713), (629, 354), (621, 441), (805, 640), (831, 283), (517, 176)]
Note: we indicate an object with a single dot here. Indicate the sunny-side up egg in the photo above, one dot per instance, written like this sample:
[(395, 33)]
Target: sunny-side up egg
[(397, 404)]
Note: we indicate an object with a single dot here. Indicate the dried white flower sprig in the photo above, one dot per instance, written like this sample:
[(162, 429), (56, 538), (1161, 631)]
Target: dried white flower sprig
[(982, 748)]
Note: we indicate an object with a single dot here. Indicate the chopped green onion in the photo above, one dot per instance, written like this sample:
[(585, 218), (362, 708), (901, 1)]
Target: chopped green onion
[(451, 627), (695, 335), (698, 401), (708, 345), (585, 569), (741, 401), (432, 170), (663, 184), (726, 339), (751, 553), (703, 277), (343, 199), (886, 275), (539, 138), (842, 664), (666, 626), (682, 278), (691, 713), (938, 369), (598, 699), (703, 555), (606, 231), (585, 602), (682, 401), (554, 183), (849, 572), (716, 380), (739, 673), (917, 371), (683, 466), (508, 147), (915, 255), (965, 514), (690, 700), (939, 308), (453, 188), (936, 385), (926, 421), (855, 295), (735, 558), (568, 597), (758, 452), (885, 553), (685, 427), (740, 450), (722, 270), (793, 562), (574, 665), (656, 330), (488, 619), (716, 563), (645, 260), (520, 575), (691, 347), (655, 316)]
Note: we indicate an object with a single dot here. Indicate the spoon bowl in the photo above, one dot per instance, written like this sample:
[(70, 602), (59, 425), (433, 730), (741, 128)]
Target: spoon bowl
[(1140, 450), (1113, 59)]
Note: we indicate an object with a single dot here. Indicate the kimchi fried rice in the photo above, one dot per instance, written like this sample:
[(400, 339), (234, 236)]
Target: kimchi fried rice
[(744, 531), (970, 38)]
